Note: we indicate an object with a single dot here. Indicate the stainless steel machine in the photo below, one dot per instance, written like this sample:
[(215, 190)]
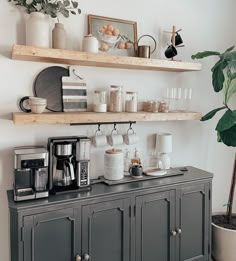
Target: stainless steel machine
[(69, 164), (31, 173)]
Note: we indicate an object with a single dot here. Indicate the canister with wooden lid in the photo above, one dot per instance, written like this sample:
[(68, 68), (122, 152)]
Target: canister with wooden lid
[(114, 164)]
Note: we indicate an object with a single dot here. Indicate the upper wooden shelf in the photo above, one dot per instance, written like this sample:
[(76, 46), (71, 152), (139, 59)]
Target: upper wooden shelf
[(36, 54), (92, 117)]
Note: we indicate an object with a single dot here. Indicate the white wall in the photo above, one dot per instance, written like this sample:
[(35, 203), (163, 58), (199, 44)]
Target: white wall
[(206, 25)]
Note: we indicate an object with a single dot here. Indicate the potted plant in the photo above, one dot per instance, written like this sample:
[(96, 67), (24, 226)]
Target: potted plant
[(224, 80), (37, 25)]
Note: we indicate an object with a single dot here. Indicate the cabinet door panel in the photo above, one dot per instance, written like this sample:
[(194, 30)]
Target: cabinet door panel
[(52, 236), (194, 223), (106, 231), (155, 218)]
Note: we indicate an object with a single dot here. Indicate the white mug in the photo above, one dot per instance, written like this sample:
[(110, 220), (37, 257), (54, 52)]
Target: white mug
[(131, 138), (99, 140), (115, 139)]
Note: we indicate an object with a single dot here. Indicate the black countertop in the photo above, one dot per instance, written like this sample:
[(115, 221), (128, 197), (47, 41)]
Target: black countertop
[(193, 174)]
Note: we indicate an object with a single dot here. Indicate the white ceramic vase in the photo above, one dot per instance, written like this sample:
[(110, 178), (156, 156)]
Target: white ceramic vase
[(223, 243), (37, 30), (59, 36)]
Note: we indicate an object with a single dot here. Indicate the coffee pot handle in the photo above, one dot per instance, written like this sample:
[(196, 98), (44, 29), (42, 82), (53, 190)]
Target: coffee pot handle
[(155, 43)]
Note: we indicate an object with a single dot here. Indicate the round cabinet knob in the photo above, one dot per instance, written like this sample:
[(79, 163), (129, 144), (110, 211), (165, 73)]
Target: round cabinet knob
[(173, 233), (86, 257), (77, 258), (178, 230)]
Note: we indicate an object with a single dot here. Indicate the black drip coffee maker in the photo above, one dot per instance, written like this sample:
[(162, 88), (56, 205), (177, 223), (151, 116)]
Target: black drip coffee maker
[(69, 164)]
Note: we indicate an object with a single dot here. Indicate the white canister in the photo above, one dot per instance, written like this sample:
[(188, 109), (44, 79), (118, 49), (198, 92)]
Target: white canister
[(90, 44), (37, 30), (113, 164)]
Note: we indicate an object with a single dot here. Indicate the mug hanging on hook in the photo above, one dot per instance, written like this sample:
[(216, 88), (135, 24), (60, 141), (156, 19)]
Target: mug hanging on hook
[(144, 51)]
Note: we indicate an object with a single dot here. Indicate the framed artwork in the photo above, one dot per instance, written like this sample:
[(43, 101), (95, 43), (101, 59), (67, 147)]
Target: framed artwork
[(115, 36)]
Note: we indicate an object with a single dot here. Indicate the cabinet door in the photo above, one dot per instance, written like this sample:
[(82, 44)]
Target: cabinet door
[(52, 236), (155, 220), (106, 231), (194, 219)]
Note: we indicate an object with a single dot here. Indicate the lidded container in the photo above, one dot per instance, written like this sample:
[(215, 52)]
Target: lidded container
[(100, 101), (116, 103), (113, 164), (90, 44), (131, 102)]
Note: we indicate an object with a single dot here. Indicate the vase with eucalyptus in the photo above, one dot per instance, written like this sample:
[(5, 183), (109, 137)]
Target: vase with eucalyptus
[(37, 25)]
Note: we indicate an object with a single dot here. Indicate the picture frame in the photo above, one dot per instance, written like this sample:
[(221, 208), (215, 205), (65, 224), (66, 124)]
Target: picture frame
[(115, 36)]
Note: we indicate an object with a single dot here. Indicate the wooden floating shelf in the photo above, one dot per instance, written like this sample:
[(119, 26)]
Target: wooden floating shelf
[(91, 117), (36, 54)]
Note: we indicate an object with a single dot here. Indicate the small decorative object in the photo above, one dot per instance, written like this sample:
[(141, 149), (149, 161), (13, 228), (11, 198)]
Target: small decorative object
[(145, 51), (37, 26), (100, 101), (224, 82), (176, 41), (90, 44), (164, 147), (115, 36), (131, 102), (74, 92), (115, 98), (59, 36)]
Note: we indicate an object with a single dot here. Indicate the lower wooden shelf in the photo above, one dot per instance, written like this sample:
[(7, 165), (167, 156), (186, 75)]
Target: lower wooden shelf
[(92, 117)]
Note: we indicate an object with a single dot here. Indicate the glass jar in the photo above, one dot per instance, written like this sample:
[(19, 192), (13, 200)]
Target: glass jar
[(115, 104), (163, 107), (100, 101), (131, 102)]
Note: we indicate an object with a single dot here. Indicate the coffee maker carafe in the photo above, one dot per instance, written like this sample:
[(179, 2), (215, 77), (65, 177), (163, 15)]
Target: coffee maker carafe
[(69, 164), (63, 169), (31, 173)]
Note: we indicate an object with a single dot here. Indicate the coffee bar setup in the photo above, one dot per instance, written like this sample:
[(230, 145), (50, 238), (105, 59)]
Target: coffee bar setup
[(137, 208)]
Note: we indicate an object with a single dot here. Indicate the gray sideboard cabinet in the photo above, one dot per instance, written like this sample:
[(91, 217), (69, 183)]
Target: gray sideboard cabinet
[(165, 219)]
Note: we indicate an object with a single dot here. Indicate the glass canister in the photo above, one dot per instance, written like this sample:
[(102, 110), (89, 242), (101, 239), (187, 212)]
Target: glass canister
[(100, 101), (131, 102), (115, 104)]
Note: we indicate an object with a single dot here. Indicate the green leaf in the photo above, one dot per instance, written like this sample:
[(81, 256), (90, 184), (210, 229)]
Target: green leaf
[(229, 49), (65, 12), (231, 56), (230, 90), (227, 121), (79, 11), (73, 12), (211, 114), (218, 77), (66, 3), (204, 54), (228, 137), (74, 4)]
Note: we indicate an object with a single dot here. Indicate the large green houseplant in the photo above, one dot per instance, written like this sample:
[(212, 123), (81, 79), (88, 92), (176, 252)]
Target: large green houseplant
[(224, 81)]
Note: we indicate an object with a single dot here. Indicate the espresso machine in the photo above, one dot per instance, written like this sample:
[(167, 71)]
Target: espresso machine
[(31, 173), (69, 164)]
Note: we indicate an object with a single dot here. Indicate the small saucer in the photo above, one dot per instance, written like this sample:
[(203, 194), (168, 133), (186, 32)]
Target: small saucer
[(136, 177)]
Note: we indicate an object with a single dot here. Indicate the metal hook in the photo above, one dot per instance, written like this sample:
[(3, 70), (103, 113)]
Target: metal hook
[(74, 72), (114, 127), (99, 127)]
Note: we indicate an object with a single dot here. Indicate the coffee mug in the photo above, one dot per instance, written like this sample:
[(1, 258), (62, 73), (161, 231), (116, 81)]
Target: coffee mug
[(170, 52), (115, 138), (136, 171), (178, 39), (36, 104), (99, 140), (131, 137)]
